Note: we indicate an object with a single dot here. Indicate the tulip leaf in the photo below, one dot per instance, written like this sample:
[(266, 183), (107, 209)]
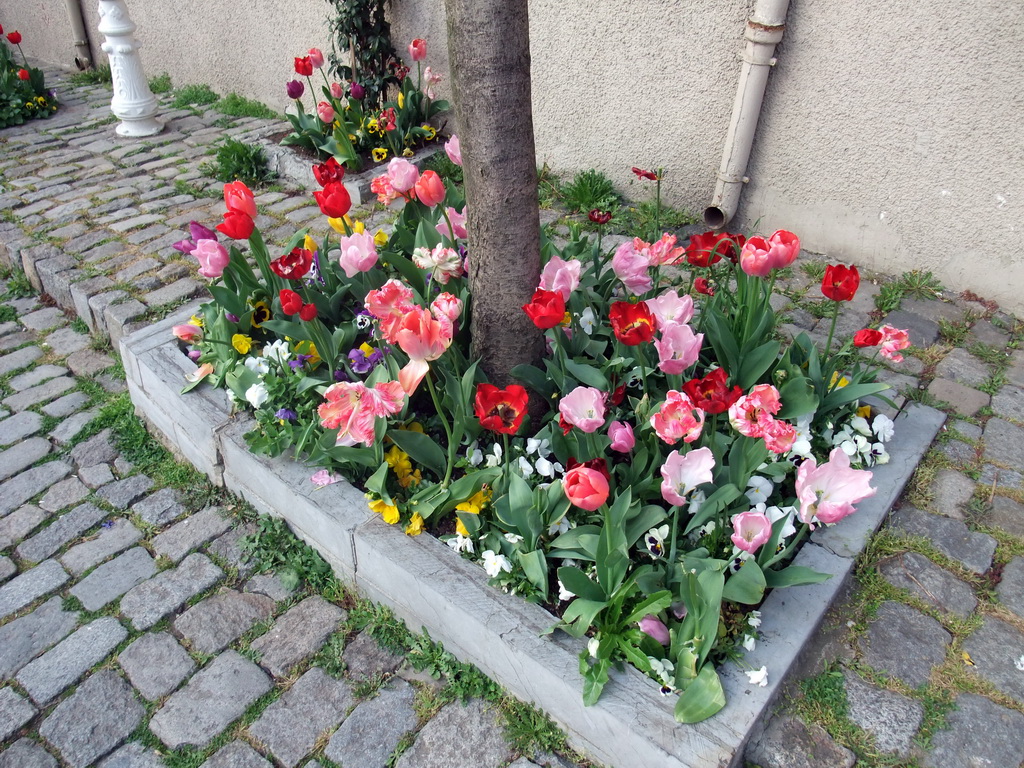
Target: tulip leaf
[(646, 518), (535, 379), (577, 582), (421, 449), (413, 274), (718, 500), (755, 363), (797, 395), (745, 586), (228, 299), (794, 576), (377, 483), (843, 395), (594, 680), (535, 566), (577, 618), (612, 552), (289, 329), (702, 698), (587, 375), (579, 543), (652, 604)]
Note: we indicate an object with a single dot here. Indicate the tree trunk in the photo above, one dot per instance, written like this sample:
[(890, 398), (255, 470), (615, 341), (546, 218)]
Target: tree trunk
[(489, 50)]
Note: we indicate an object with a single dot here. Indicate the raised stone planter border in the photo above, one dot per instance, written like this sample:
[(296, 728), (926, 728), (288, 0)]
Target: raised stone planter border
[(428, 586)]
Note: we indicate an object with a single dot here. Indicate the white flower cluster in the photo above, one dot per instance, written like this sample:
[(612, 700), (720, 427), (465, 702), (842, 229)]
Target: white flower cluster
[(864, 441)]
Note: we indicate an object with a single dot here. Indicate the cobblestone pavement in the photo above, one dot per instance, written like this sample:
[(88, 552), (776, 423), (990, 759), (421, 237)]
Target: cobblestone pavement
[(133, 634)]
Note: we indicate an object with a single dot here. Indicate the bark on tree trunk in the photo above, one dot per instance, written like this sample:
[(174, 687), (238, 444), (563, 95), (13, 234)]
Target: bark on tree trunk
[(489, 50)]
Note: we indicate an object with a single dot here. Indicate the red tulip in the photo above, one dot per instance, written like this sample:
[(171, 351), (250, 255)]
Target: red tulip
[(333, 199), (238, 198), (711, 394), (294, 265), (430, 189), (291, 302), (546, 309), (14, 37), (642, 174), (632, 323), (702, 285), (308, 312), (600, 217), (709, 248), (500, 410), (23, 74), (867, 337), (418, 49), (237, 226), (303, 66), (329, 171), (840, 283)]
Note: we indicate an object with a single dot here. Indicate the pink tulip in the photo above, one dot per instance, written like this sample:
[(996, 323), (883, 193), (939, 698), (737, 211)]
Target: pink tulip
[(418, 49), (188, 333), (654, 627), (621, 434), (389, 304), (753, 411), (893, 340), (402, 174), (785, 248), (671, 309), (751, 530), (316, 58), (678, 418), (337, 91), (681, 474), (453, 149), (423, 338), (583, 408), (755, 258), (357, 253), (446, 306), (630, 266), (352, 408), (213, 258), (665, 251), (458, 221), (561, 276), (444, 263), (430, 189), (779, 436), (586, 488), (829, 492), (325, 111), (678, 348)]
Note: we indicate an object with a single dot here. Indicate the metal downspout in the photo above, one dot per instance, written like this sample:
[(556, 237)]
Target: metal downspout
[(764, 31), (83, 58)]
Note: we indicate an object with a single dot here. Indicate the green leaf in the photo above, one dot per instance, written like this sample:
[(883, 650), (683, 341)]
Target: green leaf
[(755, 363), (587, 375), (655, 603), (413, 274), (535, 566), (849, 393), (794, 576), (718, 500), (797, 395), (648, 517), (746, 585), (702, 698), (535, 379), (578, 543), (578, 617), (594, 681), (229, 300), (577, 582), (421, 449)]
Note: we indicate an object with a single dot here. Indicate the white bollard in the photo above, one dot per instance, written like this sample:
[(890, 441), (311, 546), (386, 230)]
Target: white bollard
[(133, 102)]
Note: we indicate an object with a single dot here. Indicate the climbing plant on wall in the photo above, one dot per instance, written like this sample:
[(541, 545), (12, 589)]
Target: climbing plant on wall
[(362, 47)]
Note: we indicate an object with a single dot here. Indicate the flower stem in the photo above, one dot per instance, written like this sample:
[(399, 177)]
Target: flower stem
[(832, 329), (447, 431)]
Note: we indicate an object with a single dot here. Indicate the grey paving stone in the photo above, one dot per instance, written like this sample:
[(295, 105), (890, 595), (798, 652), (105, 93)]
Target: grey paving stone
[(23, 455), (269, 584), (96, 475), (963, 399), (923, 331), (456, 731), (192, 532), (17, 525), (999, 477), (111, 580), (15, 711), (25, 753), (40, 394), (65, 528), (67, 341), (978, 734), (94, 720), (229, 549), (893, 719), (1011, 586), (31, 482), (1004, 443), (36, 376), (57, 669), (25, 638), (160, 508), (291, 726), (370, 734), (952, 492), (19, 426), (789, 743), (219, 620), (122, 493), (185, 288), (1008, 402), (20, 358), (30, 585), (63, 407), (19, 339), (297, 635), (927, 581), (237, 754), (156, 664), (96, 450), (69, 429), (1004, 513), (951, 537), (44, 319), (88, 362), (962, 367), (133, 755), (364, 658), (213, 699), (150, 601), (7, 568), (110, 540), (905, 643), (63, 494), (996, 648)]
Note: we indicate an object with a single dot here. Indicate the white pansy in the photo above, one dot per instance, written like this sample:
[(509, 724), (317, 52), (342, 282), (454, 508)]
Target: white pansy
[(758, 677), (278, 352), (460, 543), (749, 642), (654, 540), (883, 427), (592, 646), (513, 538), (754, 619), (542, 446), (860, 424), (525, 467), (494, 457), (544, 467), (1019, 663), (474, 455), (561, 525), (759, 488), (664, 669), (257, 394), (696, 499), (777, 513), (494, 563), (258, 365), (587, 321), (563, 593)]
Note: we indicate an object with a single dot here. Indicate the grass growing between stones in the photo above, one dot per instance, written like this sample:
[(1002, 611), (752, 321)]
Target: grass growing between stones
[(273, 547), (239, 106)]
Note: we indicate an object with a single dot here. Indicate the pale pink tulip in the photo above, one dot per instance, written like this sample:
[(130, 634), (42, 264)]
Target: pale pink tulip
[(453, 148), (325, 111), (447, 306), (337, 90), (423, 338), (682, 474), (678, 348), (785, 248), (755, 257), (583, 408), (402, 174), (561, 276), (458, 221), (386, 398), (893, 340), (357, 253), (621, 434), (316, 58), (444, 263), (654, 627), (188, 333), (751, 530), (678, 418), (665, 251), (212, 256), (827, 493), (630, 266), (671, 309)]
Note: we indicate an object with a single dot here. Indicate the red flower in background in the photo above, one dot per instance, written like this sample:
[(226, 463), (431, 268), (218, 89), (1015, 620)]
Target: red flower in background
[(308, 312), (599, 465), (600, 217), (702, 285), (328, 172), (333, 199), (710, 247), (294, 265), (303, 66), (642, 174), (237, 226), (14, 37), (632, 323), (840, 283), (546, 309), (23, 74), (712, 394), (500, 410), (867, 337), (291, 302)]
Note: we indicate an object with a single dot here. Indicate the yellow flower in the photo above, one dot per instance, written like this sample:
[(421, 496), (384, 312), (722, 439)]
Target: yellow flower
[(338, 225), (358, 227), (475, 503), (407, 152), (352, 138), (864, 411), (196, 321), (241, 343), (366, 349), (566, 319), (401, 100), (414, 426), (460, 528), (431, 131), (843, 381), (310, 244), (372, 125), (260, 313), (379, 154), (415, 527), (308, 348), (337, 123), (399, 461), (413, 478), (388, 512), (380, 238)]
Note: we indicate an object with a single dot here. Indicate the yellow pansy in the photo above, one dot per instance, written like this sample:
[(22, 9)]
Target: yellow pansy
[(389, 512), (415, 527), (366, 349), (372, 126), (413, 478), (380, 238), (308, 348), (399, 461), (407, 152), (414, 426), (401, 100), (260, 313), (196, 321), (379, 154), (241, 343), (864, 411), (460, 528), (310, 244), (843, 381), (476, 502), (431, 131)]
